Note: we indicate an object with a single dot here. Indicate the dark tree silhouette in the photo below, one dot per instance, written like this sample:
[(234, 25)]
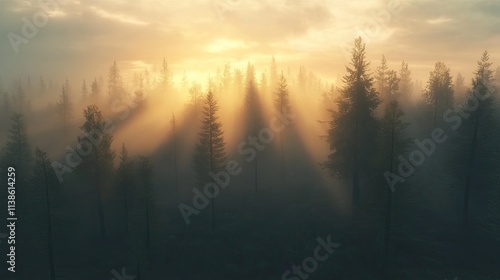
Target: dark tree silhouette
[(439, 92), (65, 109), (45, 176), (174, 143), (209, 153), (353, 127), (253, 115), (393, 142), (124, 179), (98, 165), (282, 104), (115, 83), (144, 170), (477, 128)]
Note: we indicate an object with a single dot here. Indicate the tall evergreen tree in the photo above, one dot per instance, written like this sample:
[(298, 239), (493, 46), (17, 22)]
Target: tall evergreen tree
[(253, 115), (405, 82), (476, 131), (381, 78), (392, 142), (45, 177), (85, 91), (166, 76), (124, 179), (273, 74), (174, 142), (98, 165), (282, 104), (353, 127), (210, 153), (115, 83), (439, 92), (95, 90), (65, 108), (144, 169), (17, 151)]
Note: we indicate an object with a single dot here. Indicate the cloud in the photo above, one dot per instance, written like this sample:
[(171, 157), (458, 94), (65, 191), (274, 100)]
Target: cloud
[(83, 38)]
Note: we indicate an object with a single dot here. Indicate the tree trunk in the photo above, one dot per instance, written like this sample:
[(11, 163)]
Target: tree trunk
[(256, 174), (282, 159), (388, 217), (49, 227), (126, 207), (148, 231), (468, 181), (100, 211)]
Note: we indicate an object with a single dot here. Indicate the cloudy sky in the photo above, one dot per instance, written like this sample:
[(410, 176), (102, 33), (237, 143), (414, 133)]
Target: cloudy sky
[(81, 38)]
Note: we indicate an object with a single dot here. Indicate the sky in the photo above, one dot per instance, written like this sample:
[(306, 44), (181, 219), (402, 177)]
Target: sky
[(81, 39)]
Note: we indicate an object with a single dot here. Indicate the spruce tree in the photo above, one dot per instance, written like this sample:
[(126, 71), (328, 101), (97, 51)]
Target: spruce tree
[(282, 104), (98, 165), (124, 180), (353, 127), (65, 109), (45, 177), (476, 134), (253, 115), (392, 143), (210, 153), (439, 93)]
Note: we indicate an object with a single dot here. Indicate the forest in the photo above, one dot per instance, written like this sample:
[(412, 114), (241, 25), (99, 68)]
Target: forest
[(270, 173)]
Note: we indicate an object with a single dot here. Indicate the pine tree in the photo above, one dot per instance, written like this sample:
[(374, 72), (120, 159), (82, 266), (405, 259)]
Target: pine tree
[(20, 99), (405, 83), (124, 181), (381, 79), (17, 151), (264, 83), (353, 127), (237, 82), (174, 142), (196, 97), (282, 104), (44, 176), (166, 76), (65, 108), (302, 81), (209, 154), (144, 170), (387, 83), (253, 114), (98, 165), (85, 91), (392, 143), (476, 131), (115, 83), (273, 74), (439, 92), (95, 90), (226, 79)]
